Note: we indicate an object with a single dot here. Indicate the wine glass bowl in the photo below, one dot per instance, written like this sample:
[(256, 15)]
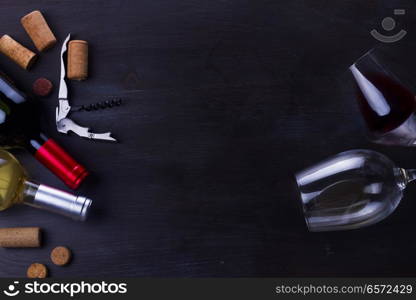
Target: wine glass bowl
[(387, 105), (350, 190)]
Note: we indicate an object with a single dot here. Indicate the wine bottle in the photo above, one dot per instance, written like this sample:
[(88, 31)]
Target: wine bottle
[(16, 188), (19, 128)]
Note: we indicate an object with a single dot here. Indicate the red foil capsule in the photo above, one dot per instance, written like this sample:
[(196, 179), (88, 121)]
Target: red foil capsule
[(61, 164)]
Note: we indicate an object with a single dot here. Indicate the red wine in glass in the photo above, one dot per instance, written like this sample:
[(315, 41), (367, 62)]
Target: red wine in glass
[(388, 107)]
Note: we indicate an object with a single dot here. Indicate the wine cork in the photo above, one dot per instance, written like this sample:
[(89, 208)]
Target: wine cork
[(77, 60), (20, 237), (38, 30), (16, 52)]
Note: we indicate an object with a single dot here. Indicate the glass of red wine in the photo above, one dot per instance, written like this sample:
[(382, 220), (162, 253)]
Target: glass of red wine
[(387, 105)]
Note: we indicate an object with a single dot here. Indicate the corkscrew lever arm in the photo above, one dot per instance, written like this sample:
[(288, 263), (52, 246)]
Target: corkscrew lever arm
[(65, 124)]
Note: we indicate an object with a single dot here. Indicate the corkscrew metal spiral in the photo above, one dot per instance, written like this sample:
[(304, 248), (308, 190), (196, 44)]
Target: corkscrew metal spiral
[(100, 105)]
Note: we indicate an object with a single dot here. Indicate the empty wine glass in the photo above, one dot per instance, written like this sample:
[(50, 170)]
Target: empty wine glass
[(387, 105), (350, 190)]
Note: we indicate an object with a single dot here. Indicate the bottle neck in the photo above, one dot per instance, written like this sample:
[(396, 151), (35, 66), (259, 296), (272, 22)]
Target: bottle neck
[(57, 201), (410, 175), (21, 129)]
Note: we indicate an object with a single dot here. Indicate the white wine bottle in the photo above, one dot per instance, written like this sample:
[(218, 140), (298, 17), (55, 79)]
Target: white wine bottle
[(16, 188)]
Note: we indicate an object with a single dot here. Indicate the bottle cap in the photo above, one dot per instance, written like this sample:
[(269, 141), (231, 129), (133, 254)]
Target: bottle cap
[(61, 164)]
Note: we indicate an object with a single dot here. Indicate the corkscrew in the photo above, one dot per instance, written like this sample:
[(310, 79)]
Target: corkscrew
[(65, 124), (105, 104)]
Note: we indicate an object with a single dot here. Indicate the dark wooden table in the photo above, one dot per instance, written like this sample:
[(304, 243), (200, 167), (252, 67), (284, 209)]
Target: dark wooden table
[(223, 102)]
